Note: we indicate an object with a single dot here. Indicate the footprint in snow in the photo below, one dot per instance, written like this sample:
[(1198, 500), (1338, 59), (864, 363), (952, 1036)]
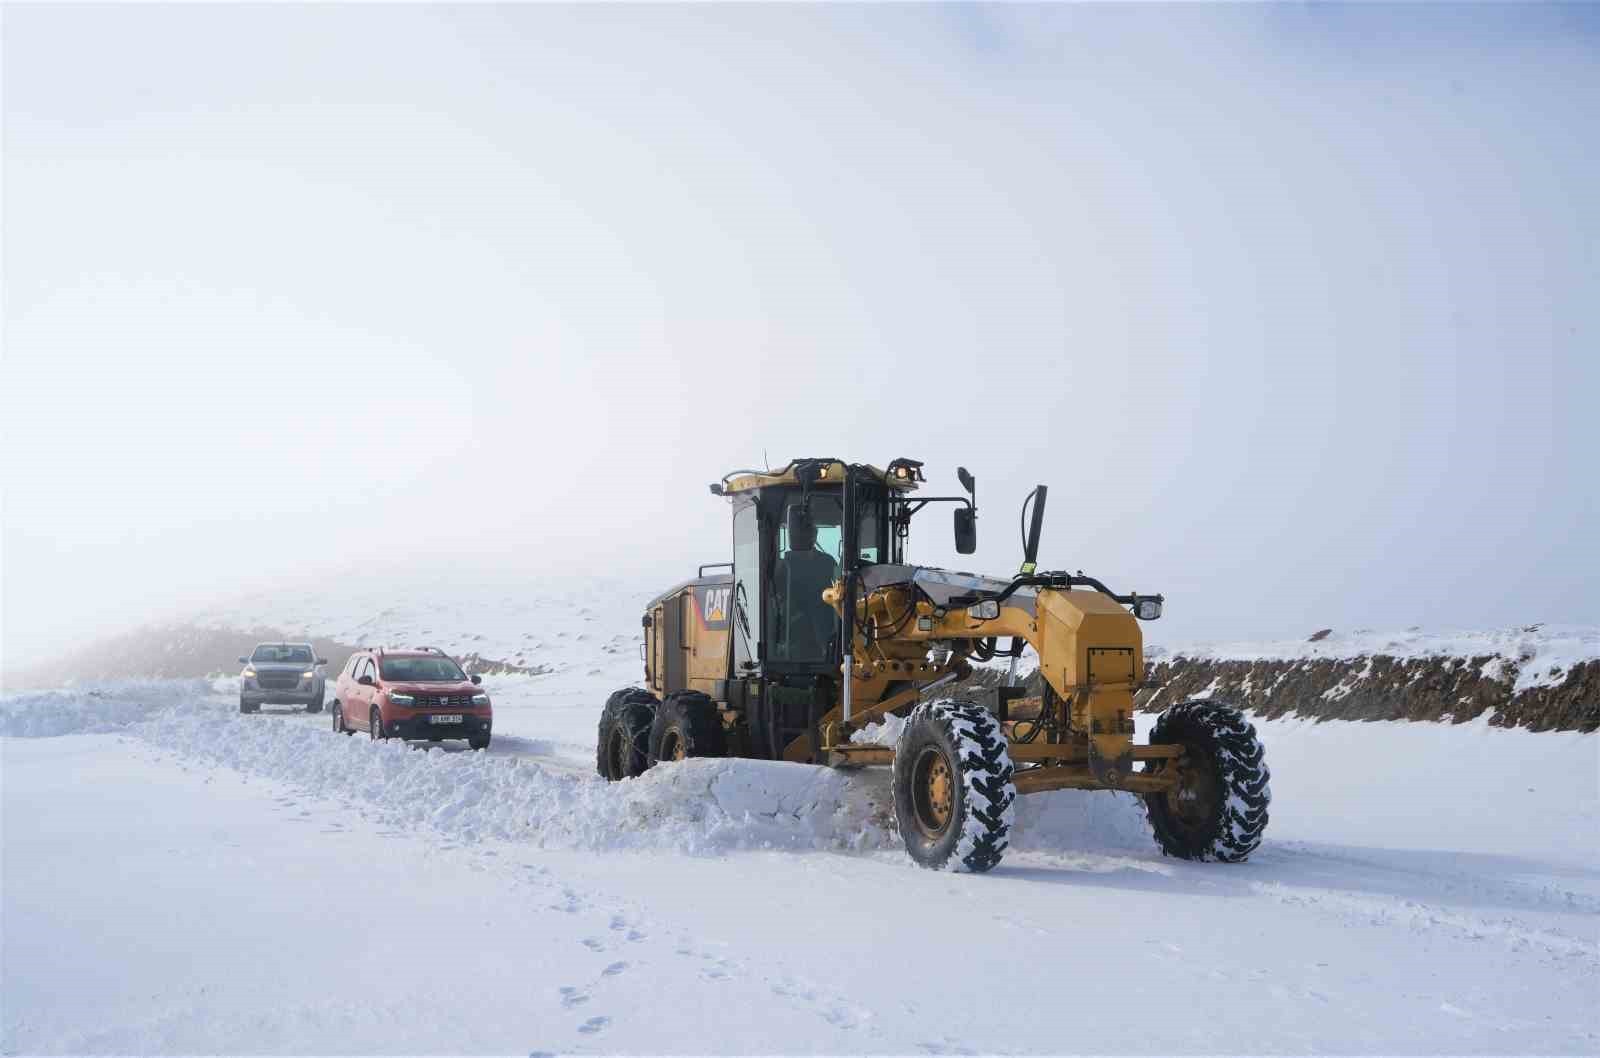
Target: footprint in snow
[(614, 969), (572, 996), (593, 944), (593, 1025)]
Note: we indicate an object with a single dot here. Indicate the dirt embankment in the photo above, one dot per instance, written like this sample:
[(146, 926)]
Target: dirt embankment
[(181, 651), (1375, 687), (1384, 688)]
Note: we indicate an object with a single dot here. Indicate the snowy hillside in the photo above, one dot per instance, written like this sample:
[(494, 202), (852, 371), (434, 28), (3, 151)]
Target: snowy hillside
[(556, 624), (228, 883)]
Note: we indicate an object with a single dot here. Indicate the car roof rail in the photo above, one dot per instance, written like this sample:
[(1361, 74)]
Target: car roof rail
[(431, 650)]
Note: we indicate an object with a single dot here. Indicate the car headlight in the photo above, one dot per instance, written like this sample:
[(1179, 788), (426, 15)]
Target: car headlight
[(480, 699), (1148, 609), (248, 674), (402, 699), (307, 675)]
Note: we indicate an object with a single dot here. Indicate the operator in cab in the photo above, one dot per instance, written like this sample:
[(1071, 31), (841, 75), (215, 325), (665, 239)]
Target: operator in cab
[(802, 576)]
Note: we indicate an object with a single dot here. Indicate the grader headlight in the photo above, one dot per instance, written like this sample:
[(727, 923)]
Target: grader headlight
[(1147, 609), (987, 610)]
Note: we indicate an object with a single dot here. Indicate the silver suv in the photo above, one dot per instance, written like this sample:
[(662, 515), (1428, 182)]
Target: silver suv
[(281, 674)]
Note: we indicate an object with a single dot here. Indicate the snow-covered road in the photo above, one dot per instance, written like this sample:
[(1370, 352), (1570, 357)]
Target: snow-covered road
[(179, 878)]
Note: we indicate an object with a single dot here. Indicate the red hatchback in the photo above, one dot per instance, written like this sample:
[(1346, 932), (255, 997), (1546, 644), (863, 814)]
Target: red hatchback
[(412, 694)]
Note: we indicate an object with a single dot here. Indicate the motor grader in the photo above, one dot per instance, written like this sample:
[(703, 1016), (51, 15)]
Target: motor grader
[(818, 631)]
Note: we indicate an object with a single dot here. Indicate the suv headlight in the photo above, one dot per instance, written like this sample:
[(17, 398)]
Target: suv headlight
[(402, 699), (248, 673), (480, 699), (308, 675)]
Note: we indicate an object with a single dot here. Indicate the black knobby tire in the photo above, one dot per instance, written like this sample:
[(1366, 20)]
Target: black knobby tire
[(375, 724), (247, 707), (622, 745), (478, 742), (688, 724), (953, 792), (314, 707), (1219, 811)]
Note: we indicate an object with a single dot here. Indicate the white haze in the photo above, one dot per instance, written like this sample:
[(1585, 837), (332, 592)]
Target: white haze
[(1294, 308)]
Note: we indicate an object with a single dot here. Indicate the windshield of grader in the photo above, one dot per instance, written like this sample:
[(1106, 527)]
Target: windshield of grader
[(804, 628)]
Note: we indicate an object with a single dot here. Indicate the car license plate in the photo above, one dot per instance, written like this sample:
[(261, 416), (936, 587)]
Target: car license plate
[(444, 719)]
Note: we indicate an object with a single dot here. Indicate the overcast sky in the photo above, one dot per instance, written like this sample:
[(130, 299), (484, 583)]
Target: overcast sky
[(1294, 308)]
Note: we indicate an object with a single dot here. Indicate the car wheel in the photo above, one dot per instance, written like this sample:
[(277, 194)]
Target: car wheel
[(375, 724), (314, 707), (479, 742), (246, 707)]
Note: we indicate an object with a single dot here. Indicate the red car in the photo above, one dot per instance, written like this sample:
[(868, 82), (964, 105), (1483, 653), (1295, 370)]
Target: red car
[(417, 694)]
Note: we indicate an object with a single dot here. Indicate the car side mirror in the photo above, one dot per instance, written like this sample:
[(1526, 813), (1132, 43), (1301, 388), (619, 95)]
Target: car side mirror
[(367, 681), (477, 679), (966, 530), (322, 661), (243, 660)]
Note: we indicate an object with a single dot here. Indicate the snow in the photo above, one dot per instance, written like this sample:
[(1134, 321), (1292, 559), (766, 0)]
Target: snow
[(223, 883), (1542, 655)]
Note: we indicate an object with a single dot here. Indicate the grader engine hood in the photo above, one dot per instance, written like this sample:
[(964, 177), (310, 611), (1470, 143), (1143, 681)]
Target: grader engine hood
[(942, 586)]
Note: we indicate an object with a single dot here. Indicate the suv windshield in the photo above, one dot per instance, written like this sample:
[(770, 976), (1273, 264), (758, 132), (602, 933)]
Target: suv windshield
[(284, 652), (421, 670)]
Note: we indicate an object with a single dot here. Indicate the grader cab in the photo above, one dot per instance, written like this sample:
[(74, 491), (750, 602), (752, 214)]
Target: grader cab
[(818, 628)]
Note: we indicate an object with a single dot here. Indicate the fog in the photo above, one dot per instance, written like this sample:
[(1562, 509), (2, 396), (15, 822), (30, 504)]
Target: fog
[(1294, 308)]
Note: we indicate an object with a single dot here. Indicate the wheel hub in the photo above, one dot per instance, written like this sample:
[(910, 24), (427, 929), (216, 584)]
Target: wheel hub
[(933, 792), (1193, 801)]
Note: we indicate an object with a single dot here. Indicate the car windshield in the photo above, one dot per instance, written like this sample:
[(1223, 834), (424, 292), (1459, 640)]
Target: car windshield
[(422, 670), (284, 652)]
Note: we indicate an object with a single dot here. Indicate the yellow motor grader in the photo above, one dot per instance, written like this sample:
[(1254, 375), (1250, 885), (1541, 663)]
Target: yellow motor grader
[(818, 631)]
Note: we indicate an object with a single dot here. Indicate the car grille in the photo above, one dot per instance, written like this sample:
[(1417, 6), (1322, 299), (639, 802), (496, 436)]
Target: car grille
[(276, 682), (443, 701)]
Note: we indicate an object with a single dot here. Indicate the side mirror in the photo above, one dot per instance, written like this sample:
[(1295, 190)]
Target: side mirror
[(322, 661), (477, 679), (967, 481), (244, 659), (966, 530), (367, 681)]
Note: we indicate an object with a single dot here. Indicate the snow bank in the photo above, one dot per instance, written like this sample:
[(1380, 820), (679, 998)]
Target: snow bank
[(1081, 820), (95, 710), (697, 807)]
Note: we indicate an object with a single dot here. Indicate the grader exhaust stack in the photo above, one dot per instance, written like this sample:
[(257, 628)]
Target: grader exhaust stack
[(821, 629)]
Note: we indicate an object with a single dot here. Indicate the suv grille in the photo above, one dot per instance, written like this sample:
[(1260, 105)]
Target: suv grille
[(278, 682), (443, 701)]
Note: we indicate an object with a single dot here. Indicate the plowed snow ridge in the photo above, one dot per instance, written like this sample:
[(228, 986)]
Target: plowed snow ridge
[(699, 806)]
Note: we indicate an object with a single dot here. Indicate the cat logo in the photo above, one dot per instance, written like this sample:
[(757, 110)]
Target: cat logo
[(714, 605)]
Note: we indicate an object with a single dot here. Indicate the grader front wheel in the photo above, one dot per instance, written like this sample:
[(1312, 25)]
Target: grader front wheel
[(1218, 808), (953, 790)]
